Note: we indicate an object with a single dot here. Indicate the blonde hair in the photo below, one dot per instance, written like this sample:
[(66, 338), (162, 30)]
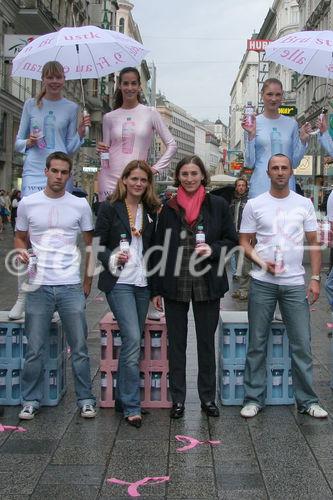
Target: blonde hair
[(51, 68), (149, 198)]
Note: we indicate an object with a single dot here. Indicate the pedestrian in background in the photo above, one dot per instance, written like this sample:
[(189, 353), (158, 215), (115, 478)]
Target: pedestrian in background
[(49, 123), (126, 226), (52, 219), (198, 226), (14, 201), (278, 221)]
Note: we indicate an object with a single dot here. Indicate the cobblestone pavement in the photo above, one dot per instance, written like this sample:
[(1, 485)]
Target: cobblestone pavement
[(278, 455)]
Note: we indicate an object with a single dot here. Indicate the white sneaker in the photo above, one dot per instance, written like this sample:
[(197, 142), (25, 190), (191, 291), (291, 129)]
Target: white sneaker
[(17, 311), (28, 412), (250, 410), (88, 411), (316, 411)]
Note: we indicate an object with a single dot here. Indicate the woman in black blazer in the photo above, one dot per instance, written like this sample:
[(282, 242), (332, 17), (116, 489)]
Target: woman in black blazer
[(126, 226), (196, 231)]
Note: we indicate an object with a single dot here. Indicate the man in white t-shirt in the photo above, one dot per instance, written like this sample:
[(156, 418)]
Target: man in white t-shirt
[(329, 280), (278, 220), (52, 220)]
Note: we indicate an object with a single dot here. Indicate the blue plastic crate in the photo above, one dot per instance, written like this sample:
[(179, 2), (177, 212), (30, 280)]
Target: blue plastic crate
[(10, 341), (234, 339), (10, 382), (55, 344), (279, 389)]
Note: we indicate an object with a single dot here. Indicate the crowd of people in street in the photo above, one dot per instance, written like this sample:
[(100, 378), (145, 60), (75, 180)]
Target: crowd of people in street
[(164, 256)]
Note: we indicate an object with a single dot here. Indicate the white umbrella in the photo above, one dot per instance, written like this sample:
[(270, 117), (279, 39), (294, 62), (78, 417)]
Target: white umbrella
[(307, 52), (84, 52)]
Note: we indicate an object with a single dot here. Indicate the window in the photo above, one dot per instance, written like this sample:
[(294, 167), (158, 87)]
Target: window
[(122, 25)]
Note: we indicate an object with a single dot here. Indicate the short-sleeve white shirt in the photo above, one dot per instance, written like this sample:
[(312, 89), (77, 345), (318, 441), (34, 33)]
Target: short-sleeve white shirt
[(53, 225), (280, 222)]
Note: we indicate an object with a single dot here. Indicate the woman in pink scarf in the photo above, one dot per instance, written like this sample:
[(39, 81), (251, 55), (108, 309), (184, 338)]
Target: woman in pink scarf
[(193, 228)]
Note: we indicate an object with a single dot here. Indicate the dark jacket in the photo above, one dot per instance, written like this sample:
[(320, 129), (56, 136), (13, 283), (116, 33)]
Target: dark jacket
[(219, 231), (243, 200), (112, 221)]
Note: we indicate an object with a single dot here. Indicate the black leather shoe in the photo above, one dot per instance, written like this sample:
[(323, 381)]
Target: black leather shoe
[(177, 410), (210, 409)]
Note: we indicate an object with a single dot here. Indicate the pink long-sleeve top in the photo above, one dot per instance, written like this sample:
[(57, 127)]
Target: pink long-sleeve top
[(129, 133)]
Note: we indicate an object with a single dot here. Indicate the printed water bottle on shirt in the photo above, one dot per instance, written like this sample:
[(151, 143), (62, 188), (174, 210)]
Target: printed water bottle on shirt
[(276, 142), (249, 113), (49, 130), (32, 264), (128, 136), (200, 238), (36, 130)]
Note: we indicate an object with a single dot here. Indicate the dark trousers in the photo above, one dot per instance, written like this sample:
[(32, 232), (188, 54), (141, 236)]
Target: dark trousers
[(206, 316)]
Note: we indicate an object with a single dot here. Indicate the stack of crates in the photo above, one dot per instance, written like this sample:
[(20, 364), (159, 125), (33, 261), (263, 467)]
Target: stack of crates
[(154, 365), (13, 345), (233, 344)]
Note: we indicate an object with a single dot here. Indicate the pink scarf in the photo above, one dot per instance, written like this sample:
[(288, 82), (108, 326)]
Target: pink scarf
[(191, 203)]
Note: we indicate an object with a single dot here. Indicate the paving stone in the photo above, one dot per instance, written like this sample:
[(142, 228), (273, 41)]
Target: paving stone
[(64, 492), (197, 482), (18, 444), (290, 483), (73, 474), (245, 481), (20, 473)]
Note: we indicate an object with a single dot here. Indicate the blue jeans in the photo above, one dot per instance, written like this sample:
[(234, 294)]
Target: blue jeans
[(296, 317), (69, 301), (329, 288), (129, 304)]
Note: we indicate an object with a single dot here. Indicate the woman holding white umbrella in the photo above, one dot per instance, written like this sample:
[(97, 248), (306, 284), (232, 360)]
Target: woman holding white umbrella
[(49, 123), (271, 133), (128, 133)]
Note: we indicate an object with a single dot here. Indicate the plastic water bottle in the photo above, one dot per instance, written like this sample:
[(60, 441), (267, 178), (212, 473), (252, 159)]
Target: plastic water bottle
[(124, 243), (226, 384), (226, 343), (142, 386), (114, 384), (104, 384), (200, 237), (53, 343), (16, 350), (41, 143), (239, 384), (3, 334), (15, 384), (278, 259), (155, 345), (32, 264), (49, 130), (105, 160), (24, 344), (276, 142), (249, 113), (240, 342), (3, 374), (116, 344), (156, 386), (53, 384), (277, 380), (277, 339), (104, 343), (290, 385), (128, 136)]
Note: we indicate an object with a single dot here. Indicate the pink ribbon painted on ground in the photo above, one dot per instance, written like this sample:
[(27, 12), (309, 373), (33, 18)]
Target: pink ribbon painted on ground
[(133, 487), (4, 428), (193, 442)]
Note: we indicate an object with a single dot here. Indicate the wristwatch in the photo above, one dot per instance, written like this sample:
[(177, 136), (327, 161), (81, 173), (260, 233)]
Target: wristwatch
[(316, 277)]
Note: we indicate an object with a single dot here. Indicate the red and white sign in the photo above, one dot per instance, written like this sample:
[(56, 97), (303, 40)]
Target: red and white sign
[(257, 45)]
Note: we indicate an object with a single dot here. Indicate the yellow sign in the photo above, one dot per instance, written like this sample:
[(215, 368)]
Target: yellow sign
[(288, 110)]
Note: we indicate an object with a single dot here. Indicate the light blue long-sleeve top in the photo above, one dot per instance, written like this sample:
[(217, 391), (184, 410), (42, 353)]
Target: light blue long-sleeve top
[(57, 120), (259, 150), (327, 142)]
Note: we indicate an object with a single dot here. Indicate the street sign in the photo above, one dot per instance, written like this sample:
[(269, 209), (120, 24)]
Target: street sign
[(257, 45)]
